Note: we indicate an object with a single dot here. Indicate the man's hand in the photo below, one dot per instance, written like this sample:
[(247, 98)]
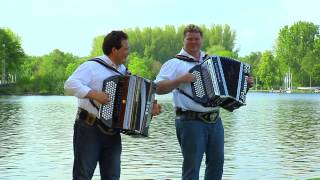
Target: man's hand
[(100, 97), (187, 78), (250, 81), (156, 110), (166, 86)]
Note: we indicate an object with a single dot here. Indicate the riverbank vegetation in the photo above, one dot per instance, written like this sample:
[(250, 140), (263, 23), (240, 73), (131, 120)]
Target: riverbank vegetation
[(297, 49)]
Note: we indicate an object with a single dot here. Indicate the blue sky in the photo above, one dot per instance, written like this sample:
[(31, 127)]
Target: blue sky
[(71, 25)]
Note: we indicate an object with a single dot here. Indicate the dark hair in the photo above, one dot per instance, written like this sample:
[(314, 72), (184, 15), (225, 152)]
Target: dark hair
[(113, 40), (191, 28)]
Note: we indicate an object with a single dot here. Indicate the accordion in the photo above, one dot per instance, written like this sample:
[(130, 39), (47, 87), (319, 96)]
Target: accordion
[(130, 106), (220, 81)]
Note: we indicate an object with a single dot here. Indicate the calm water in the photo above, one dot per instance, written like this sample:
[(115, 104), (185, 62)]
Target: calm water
[(276, 136)]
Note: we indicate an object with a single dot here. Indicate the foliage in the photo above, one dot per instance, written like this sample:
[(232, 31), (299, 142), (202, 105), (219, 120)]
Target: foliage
[(161, 44), (144, 67), (221, 51), (268, 69), (297, 48), (11, 52), (46, 74)]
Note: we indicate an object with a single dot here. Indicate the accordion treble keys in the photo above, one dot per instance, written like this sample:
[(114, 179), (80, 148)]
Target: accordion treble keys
[(130, 106), (220, 81)]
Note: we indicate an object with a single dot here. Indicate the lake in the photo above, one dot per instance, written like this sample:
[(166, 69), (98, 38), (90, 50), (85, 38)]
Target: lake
[(276, 136)]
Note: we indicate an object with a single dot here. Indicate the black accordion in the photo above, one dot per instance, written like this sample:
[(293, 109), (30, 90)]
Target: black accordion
[(220, 81), (130, 106)]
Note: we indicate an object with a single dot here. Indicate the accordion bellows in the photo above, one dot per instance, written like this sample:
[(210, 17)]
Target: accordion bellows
[(220, 81), (130, 106)]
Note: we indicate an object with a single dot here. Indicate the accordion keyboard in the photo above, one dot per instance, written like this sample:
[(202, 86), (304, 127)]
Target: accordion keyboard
[(198, 83), (107, 110)]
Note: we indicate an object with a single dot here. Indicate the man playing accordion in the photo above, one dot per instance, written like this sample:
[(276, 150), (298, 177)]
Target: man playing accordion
[(93, 141), (199, 129)]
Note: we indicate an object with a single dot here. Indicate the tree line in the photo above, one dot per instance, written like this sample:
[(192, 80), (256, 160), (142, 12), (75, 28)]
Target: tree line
[(297, 48)]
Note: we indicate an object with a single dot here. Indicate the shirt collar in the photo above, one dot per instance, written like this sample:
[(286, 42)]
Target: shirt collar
[(185, 53)]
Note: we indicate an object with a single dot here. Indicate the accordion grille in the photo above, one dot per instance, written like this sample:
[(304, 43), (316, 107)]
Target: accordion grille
[(199, 90), (107, 109)]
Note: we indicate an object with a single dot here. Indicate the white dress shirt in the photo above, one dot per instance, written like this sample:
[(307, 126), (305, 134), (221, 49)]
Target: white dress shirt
[(174, 68), (90, 76)]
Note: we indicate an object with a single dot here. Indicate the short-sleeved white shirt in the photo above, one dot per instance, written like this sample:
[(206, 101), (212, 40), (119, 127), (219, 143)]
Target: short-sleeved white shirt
[(90, 76), (175, 68)]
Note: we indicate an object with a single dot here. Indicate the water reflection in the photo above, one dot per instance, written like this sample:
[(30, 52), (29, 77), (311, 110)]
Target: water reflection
[(273, 137)]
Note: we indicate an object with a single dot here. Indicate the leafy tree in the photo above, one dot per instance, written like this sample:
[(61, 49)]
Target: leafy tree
[(139, 66), (221, 51), (219, 35), (97, 46), (48, 72), (267, 70), (161, 44), (10, 51), (293, 45), (253, 59), (311, 63)]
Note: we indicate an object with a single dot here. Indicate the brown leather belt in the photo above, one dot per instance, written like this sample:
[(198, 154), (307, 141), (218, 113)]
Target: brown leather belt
[(208, 117), (91, 119)]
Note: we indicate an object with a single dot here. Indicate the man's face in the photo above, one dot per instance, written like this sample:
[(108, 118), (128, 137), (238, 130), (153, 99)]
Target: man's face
[(192, 42), (122, 53)]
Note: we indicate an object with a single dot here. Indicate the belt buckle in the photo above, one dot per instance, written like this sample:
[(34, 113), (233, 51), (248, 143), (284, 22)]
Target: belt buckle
[(209, 117)]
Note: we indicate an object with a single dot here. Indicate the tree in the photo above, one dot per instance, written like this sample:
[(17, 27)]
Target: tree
[(219, 35), (163, 43), (268, 69), (47, 74), (253, 59), (97, 46), (139, 66), (221, 51), (311, 64), (11, 53), (293, 45)]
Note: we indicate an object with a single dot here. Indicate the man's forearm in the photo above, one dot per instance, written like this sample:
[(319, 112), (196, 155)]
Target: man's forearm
[(166, 86), (91, 95)]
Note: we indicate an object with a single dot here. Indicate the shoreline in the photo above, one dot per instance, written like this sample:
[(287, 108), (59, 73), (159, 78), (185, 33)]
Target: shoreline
[(250, 91)]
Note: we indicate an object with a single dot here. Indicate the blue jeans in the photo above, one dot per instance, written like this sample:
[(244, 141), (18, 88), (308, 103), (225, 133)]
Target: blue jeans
[(91, 146), (196, 138)]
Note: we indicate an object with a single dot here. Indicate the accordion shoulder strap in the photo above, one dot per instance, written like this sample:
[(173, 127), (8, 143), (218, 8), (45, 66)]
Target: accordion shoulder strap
[(100, 61), (105, 65), (188, 59), (205, 57)]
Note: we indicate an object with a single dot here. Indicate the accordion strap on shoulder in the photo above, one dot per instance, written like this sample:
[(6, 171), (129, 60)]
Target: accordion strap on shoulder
[(100, 61), (205, 57), (188, 59), (185, 58)]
